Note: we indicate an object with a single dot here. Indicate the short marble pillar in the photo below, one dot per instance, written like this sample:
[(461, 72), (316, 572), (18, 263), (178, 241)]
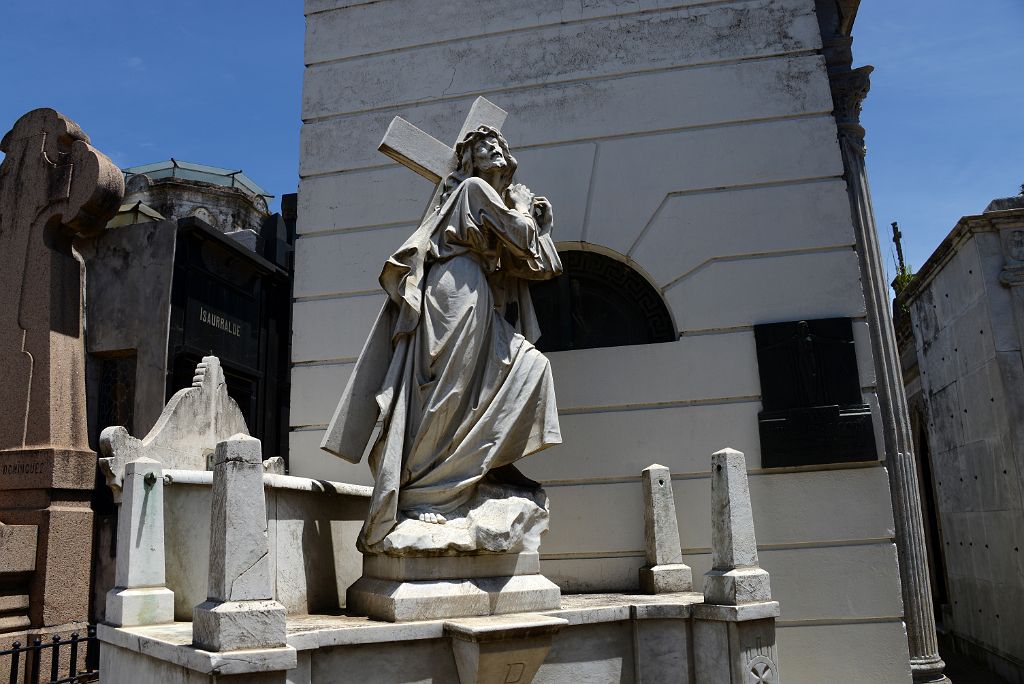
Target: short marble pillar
[(139, 596), (735, 577), (734, 629), (665, 571), (240, 611)]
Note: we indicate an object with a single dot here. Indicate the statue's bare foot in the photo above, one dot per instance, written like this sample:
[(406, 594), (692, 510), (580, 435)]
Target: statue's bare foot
[(435, 518)]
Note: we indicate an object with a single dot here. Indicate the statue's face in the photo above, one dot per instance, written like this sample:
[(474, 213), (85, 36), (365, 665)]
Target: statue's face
[(487, 155)]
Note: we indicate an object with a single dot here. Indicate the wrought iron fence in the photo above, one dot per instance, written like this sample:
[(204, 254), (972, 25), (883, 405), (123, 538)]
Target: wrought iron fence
[(29, 664)]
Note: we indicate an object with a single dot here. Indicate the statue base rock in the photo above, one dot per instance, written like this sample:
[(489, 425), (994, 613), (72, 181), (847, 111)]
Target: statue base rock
[(405, 589), (498, 519)]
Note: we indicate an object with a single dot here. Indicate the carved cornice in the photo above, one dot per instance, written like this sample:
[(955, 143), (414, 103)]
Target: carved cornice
[(836, 17), (835, 20), (847, 15)]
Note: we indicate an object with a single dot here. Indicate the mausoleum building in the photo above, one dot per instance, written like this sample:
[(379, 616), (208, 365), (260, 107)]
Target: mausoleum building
[(723, 285), (960, 332)]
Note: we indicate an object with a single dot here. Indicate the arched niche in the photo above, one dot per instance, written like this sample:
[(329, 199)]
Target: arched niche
[(598, 301)]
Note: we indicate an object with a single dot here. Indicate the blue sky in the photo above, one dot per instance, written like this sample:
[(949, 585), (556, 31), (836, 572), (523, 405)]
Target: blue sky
[(945, 115), (219, 83)]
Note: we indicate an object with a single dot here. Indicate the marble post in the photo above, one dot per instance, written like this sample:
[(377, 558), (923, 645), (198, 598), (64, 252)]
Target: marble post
[(849, 87), (734, 629), (665, 570), (139, 596), (735, 576), (240, 611)]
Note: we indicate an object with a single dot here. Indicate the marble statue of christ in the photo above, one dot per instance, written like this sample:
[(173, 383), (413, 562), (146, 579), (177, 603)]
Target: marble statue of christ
[(449, 372)]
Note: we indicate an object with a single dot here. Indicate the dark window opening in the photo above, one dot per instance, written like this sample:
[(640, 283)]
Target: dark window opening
[(598, 302)]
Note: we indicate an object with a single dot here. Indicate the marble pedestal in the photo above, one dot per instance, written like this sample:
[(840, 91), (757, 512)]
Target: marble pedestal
[(402, 589)]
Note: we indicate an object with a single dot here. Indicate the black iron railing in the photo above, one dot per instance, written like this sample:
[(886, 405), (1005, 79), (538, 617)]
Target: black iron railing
[(71, 659)]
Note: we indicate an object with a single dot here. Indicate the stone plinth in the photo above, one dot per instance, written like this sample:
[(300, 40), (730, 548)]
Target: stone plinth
[(736, 644), (139, 596), (483, 561), (502, 648), (401, 589), (600, 639), (734, 629), (665, 570), (240, 612), (735, 576)]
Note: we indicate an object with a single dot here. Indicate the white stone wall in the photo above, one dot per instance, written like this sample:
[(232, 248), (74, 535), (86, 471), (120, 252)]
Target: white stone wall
[(693, 140), (969, 355)]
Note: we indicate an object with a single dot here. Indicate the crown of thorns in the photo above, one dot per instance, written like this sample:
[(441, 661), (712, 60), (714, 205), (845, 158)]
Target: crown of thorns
[(484, 132)]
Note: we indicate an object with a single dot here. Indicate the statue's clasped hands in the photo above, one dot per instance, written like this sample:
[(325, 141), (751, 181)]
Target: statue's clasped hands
[(522, 199)]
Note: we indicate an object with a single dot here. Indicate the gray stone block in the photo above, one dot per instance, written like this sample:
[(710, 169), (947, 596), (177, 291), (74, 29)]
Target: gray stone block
[(237, 625), (662, 579), (403, 601), (734, 587), (665, 570)]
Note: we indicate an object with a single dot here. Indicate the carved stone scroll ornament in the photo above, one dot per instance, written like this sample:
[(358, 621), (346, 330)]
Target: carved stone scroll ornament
[(191, 425)]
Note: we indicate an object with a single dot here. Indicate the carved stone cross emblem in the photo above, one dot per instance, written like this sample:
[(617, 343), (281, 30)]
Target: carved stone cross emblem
[(428, 156), (762, 670)]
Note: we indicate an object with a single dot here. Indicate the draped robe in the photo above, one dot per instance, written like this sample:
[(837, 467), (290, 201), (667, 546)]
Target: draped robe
[(459, 389)]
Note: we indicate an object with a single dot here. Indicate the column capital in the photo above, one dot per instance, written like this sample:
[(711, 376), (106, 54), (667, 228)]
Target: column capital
[(849, 88)]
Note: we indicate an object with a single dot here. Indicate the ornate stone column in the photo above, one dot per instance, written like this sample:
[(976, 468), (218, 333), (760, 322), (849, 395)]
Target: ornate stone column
[(849, 87)]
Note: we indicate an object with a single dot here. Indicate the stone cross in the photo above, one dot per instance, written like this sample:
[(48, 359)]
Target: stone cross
[(428, 156), (240, 611), (897, 238), (54, 186), (665, 570), (139, 596)]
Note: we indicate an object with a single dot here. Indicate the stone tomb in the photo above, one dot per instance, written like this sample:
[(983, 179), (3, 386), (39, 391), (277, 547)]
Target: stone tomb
[(54, 188), (701, 146), (723, 636), (308, 522), (443, 599)]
